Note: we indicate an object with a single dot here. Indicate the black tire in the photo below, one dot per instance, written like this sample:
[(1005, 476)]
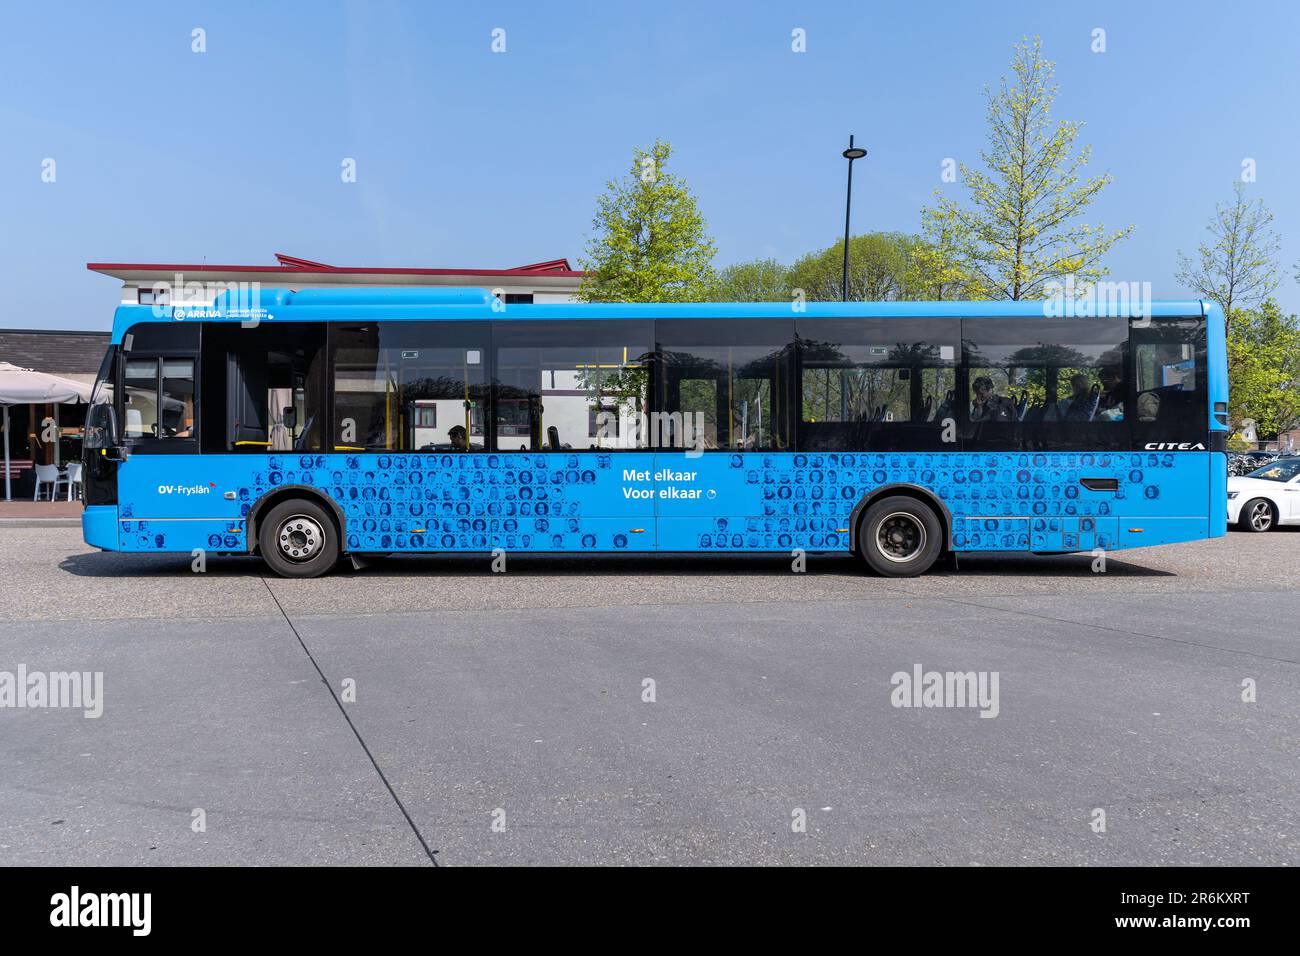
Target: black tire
[(900, 537), (1257, 514), (298, 539)]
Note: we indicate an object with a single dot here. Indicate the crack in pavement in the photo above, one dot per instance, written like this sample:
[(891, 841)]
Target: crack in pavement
[(430, 852)]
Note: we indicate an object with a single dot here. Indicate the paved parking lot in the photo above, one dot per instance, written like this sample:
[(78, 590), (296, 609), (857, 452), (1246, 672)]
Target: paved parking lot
[(502, 718)]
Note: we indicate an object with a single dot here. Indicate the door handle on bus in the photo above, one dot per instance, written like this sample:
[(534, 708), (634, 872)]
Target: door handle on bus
[(1100, 484)]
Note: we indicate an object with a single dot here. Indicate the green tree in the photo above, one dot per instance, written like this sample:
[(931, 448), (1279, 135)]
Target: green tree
[(1264, 369), (1022, 228), (938, 270), (879, 269), (651, 243), (761, 280), (1237, 268)]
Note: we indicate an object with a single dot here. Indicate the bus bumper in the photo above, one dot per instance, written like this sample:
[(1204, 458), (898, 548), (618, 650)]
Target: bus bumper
[(99, 526)]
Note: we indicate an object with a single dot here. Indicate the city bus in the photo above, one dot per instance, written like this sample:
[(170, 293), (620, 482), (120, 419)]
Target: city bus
[(319, 425)]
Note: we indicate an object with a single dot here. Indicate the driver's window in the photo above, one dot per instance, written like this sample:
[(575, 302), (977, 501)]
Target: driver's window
[(140, 385), (177, 412), (146, 416)]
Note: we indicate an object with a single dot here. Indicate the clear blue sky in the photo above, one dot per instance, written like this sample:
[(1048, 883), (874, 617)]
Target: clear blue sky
[(472, 159)]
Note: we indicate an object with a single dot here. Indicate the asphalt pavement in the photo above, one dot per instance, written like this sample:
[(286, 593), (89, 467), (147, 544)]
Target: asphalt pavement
[(655, 710)]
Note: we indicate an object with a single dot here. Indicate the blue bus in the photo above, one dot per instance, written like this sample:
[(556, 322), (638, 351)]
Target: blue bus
[(321, 424)]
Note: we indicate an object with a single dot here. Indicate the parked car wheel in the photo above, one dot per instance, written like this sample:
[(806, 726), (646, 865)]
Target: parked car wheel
[(1257, 515)]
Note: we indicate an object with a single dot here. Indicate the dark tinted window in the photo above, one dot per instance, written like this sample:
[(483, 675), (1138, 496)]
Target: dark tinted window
[(156, 337), (876, 383), (725, 383), (1046, 383), (1170, 393), (572, 385)]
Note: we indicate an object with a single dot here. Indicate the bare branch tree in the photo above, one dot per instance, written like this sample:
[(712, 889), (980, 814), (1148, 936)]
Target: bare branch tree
[(1237, 268)]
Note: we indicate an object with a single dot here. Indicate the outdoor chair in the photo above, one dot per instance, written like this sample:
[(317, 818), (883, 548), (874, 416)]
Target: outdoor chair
[(72, 478), (46, 475)]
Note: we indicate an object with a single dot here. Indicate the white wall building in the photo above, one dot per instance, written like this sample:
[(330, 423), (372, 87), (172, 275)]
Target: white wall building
[(199, 284)]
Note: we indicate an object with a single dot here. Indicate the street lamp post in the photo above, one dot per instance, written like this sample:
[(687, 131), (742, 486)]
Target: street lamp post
[(852, 153)]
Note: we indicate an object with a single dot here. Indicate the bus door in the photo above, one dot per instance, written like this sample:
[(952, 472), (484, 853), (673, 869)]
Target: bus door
[(266, 385), (724, 401), (570, 401)]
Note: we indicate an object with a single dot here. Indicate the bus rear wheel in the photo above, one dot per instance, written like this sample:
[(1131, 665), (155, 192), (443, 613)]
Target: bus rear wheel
[(900, 537), (298, 539)]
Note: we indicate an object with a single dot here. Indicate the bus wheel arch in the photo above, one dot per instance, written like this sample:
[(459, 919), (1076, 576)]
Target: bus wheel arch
[(920, 517), (268, 501)]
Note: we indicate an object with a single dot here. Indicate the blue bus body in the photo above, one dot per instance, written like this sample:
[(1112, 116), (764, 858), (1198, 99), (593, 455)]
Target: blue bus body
[(667, 500)]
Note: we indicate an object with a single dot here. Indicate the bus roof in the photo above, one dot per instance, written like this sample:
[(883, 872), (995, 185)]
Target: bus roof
[(472, 304)]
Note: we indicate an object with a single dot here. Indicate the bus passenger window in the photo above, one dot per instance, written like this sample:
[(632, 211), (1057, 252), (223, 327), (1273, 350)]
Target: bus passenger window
[(1047, 383), (724, 384), (410, 386), (572, 385), (879, 384), (1168, 385)]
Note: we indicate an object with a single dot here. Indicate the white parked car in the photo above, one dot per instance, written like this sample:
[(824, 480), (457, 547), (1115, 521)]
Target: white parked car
[(1266, 497)]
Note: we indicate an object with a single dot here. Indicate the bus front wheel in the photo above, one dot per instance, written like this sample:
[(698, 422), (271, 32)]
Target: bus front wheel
[(900, 537), (298, 539)]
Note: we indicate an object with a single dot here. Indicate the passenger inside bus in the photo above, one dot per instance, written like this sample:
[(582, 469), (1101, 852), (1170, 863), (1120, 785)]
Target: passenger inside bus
[(987, 405), (1111, 405)]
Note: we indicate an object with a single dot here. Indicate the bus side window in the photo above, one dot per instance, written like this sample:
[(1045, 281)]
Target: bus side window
[(725, 384), (1169, 381), (1046, 383), (410, 386), (572, 385), (880, 384)]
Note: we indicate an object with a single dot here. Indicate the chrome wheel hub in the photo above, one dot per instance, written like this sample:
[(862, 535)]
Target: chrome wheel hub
[(300, 538), (1261, 516)]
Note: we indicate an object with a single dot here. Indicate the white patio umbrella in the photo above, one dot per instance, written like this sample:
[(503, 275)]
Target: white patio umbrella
[(23, 386)]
